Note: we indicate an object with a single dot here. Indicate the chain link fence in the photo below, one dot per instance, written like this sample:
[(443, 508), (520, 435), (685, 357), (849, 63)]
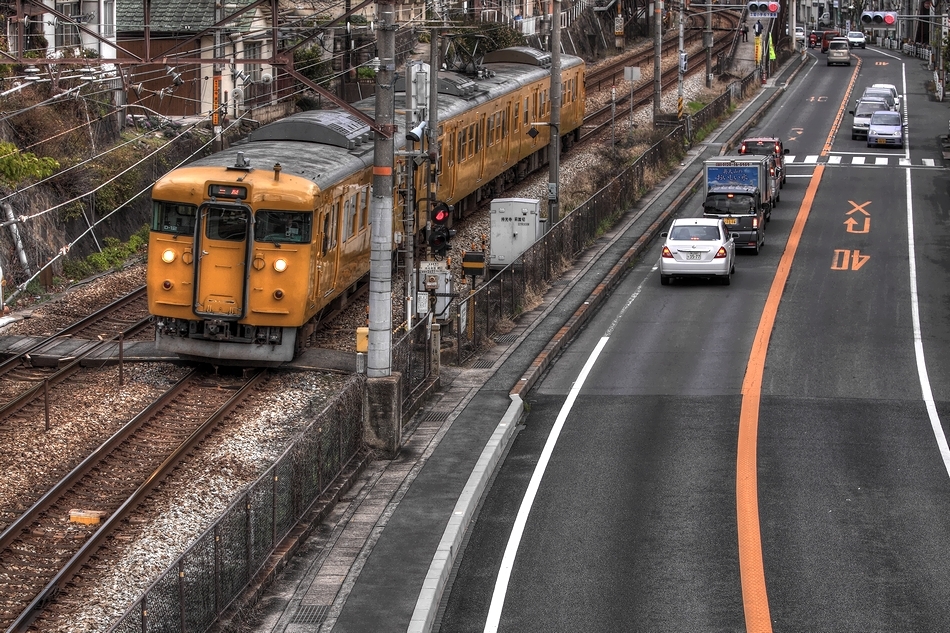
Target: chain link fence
[(207, 578), (412, 358)]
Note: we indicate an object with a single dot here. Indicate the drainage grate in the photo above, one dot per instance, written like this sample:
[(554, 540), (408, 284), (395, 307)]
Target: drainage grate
[(483, 364), (507, 338), (435, 416), (311, 614)]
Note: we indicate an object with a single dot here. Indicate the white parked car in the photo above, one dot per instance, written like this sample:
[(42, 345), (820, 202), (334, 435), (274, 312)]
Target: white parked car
[(698, 247), (799, 33)]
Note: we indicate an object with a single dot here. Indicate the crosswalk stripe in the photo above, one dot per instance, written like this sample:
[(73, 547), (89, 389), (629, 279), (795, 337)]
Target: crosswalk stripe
[(928, 162), (905, 162), (834, 160), (811, 159), (880, 160), (857, 160)]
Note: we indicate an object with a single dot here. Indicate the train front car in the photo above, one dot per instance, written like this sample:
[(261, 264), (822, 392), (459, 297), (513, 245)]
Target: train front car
[(249, 245)]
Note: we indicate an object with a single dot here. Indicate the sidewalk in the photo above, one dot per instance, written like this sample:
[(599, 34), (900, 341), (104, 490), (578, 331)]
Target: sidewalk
[(381, 560)]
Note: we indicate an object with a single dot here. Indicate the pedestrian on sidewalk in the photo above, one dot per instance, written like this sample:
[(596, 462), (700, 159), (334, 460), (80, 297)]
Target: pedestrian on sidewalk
[(758, 27), (745, 32)]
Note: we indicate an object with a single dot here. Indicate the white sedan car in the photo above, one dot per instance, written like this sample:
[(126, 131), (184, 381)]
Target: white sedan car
[(698, 247)]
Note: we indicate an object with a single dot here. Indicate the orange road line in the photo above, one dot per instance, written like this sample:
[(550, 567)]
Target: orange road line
[(841, 109), (755, 598)]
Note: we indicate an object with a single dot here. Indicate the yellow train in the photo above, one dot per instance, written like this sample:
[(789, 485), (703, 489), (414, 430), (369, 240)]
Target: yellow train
[(251, 246)]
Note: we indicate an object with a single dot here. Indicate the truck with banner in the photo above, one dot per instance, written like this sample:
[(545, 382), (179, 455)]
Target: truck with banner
[(742, 191)]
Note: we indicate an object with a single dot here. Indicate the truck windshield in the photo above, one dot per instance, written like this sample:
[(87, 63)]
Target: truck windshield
[(728, 203)]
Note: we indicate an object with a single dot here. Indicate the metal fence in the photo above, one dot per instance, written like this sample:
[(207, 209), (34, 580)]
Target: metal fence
[(412, 358), (207, 578), (523, 282)]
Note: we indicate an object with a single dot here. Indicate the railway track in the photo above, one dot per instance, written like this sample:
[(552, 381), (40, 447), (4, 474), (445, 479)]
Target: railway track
[(41, 552), (597, 121), (23, 381)]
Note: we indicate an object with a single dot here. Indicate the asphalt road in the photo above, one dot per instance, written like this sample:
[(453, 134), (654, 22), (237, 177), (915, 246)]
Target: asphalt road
[(637, 510)]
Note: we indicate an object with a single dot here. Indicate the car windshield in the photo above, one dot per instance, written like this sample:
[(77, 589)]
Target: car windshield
[(728, 203), (884, 94), (760, 149), (885, 118), (695, 233), (867, 109), (855, 34)]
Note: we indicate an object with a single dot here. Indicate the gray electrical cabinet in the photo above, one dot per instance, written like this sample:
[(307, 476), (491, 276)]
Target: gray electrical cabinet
[(514, 227)]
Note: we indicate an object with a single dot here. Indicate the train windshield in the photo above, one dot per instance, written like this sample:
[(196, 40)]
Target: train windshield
[(171, 217), (282, 226), (227, 223)]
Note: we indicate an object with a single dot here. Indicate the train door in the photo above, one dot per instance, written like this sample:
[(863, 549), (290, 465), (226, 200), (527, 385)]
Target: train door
[(223, 239), (329, 249), (448, 172), (481, 146)]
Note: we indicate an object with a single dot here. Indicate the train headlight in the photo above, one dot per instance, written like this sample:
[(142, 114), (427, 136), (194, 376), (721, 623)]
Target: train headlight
[(280, 265), (168, 256)]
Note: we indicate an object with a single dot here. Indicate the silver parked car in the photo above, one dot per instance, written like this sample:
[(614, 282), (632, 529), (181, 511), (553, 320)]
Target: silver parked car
[(893, 90), (861, 116), (700, 247)]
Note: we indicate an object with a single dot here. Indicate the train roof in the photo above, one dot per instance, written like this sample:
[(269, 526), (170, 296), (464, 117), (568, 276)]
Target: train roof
[(325, 146)]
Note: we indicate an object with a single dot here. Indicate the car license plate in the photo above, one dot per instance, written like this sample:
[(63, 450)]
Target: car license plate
[(694, 256), (730, 220), (882, 141)]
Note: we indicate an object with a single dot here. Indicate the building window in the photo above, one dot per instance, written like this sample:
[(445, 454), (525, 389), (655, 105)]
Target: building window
[(108, 18), (67, 33), (252, 50)]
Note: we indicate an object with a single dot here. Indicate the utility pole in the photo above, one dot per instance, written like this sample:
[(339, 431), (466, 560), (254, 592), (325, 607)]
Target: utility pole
[(657, 57), (708, 43), (554, 156), (379, 357), (681, 63)]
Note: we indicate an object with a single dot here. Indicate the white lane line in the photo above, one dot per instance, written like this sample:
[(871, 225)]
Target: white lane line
[(925, 389), (517, 530)]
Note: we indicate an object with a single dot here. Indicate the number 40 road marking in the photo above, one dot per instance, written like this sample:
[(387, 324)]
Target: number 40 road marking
[(846, 259)]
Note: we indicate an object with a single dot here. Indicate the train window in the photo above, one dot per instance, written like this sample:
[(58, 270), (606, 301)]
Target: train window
[(527, 112), (491, 130), (542, 103), (171, 217), (349, 217), (334, 224), (476, 134), (514, 121), (504, 124), (282, 226), (226, 224)]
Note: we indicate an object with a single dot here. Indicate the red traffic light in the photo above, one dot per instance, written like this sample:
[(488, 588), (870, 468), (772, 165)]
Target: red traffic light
[(889, 18), (773, 7), (440, 215)]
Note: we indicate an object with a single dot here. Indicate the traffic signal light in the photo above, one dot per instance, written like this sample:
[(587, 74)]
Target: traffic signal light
[(879, 18), (763, 9), (439, 232)]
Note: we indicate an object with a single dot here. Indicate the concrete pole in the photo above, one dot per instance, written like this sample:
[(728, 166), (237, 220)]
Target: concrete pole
[(555, 143), (657, 57), (379, 358), (708, 43)]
